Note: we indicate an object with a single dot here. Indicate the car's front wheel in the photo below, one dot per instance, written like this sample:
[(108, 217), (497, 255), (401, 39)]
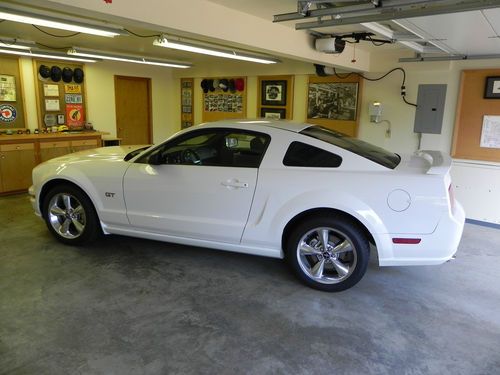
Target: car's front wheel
[(329, 253), (70, 215)]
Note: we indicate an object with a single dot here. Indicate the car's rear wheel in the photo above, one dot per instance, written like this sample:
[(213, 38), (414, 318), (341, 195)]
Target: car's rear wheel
[(70, 215), (329, 254)]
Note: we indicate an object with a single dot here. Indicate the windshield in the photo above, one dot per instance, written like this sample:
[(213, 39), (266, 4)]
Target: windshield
[(364, 149)]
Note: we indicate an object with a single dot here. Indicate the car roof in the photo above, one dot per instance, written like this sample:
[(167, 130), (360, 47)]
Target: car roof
[(287, 125)]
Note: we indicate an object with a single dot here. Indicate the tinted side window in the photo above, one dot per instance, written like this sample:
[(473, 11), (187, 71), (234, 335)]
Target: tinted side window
[(303, 155), (246, 149), (364, 149), (212, 147)]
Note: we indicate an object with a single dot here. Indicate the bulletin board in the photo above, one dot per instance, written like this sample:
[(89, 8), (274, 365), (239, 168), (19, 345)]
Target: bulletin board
[(471, 126), (221, 105), (58, 102), (275, 97), (335, 103), (12, 114)]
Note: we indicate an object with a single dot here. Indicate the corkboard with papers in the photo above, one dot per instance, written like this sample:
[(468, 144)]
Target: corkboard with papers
[(477, 124)]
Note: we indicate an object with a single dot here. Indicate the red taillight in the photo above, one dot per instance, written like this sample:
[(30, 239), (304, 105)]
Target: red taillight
[(451, 197), (406, 241)]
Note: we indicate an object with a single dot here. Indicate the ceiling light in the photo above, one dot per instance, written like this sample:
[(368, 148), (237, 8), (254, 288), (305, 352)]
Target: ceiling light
[(228, 54), (75, 51), (49, 55), (70, 25), (389, 33)]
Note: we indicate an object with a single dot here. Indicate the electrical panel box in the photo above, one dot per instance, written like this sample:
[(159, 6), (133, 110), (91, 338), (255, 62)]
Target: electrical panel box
[(430, 109)]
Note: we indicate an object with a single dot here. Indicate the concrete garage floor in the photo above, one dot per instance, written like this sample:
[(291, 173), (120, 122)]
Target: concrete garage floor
[(131, 306)]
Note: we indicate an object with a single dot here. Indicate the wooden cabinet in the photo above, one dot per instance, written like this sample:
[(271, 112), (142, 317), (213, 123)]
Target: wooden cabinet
[(19, 154), (84, 144), (16, 162), (53, 149)]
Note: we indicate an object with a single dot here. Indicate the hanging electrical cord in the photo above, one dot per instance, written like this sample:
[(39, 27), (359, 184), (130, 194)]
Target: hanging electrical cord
[(142, 36), (51, 47), (55, 35), (8, 44), (374, 42), (403, 87)]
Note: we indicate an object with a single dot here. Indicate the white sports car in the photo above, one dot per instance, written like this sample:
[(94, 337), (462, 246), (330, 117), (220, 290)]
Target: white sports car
[(301, 192)]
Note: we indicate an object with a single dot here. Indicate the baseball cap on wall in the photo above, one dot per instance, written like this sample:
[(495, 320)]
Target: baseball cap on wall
[(78, 75)]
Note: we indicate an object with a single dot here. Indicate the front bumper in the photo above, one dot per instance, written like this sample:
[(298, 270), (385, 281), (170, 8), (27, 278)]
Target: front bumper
[(33, 201)]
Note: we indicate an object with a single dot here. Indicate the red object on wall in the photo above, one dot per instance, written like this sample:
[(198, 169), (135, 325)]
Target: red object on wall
[(108, 1)]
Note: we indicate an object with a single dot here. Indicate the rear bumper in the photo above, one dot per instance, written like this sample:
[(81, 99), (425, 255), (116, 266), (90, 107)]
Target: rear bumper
[(435, 248)]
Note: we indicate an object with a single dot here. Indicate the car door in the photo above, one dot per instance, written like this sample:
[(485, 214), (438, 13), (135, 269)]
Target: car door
[(199, 185)]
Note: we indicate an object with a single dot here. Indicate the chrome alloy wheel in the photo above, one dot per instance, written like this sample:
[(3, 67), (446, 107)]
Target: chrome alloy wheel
[(66, 215), (326, 255)]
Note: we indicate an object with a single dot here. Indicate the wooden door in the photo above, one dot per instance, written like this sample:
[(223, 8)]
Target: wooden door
[(133, 110)]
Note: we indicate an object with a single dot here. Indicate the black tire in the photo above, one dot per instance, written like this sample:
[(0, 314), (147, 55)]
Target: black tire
[(330, 275), (76, 225)]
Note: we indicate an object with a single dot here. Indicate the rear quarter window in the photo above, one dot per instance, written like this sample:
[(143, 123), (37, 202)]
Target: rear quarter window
[(303, 155), (367, 150)]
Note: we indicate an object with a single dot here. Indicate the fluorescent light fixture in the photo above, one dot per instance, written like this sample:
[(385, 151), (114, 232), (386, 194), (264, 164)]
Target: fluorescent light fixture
[(75, 51), (47, 21), (388, 33), (228, 54), (48, 55)]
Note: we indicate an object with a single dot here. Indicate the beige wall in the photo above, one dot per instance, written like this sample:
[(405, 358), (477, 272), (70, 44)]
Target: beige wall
[(99, 79), (476, 182)]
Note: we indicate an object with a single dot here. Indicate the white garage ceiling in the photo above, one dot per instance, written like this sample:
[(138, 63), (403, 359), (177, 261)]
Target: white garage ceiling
[(468, 33), (456, 35)]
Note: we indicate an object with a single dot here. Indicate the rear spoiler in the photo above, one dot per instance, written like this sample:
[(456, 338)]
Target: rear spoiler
[(439, 163)]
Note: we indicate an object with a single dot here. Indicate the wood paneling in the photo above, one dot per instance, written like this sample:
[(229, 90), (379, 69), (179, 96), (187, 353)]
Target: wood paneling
[(208, 116), (288, 107), (40, 97), (10, 66)]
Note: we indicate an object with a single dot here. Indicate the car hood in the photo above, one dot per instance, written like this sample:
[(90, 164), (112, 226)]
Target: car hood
[(101, 153)]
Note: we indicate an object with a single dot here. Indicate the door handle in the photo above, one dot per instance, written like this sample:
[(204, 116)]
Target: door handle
[(234, 184)]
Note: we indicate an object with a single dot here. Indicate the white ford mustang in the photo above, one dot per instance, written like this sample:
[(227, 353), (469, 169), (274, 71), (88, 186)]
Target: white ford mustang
[(280, 189)]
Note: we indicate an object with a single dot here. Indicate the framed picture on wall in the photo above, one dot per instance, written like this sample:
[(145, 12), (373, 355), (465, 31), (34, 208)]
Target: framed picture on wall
[(273, 113), (492, 89), (7, 88), (273, 92), (332, 101)]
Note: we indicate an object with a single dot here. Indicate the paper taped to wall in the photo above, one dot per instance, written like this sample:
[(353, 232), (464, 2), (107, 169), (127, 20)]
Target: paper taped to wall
[(490, 134)]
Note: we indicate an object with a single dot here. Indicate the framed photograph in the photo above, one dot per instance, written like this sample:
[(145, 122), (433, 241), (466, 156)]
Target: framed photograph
[(273, 92), (7, 88), (492, 89), (52, 105), (332, 101), (273, 113), (50, 90)]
